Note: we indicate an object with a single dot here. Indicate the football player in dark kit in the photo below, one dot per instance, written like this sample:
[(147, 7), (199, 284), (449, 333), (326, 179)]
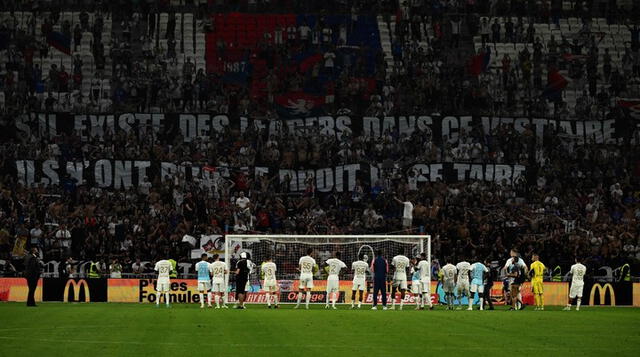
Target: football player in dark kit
[(380, 268)]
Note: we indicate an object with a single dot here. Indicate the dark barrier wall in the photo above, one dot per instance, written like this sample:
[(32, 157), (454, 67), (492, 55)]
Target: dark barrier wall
[(74, 290), (595, 294), (140, 290)]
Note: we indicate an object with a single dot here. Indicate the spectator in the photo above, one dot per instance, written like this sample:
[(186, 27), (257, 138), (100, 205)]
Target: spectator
[(63, 240), (116, 269), (137, 268)]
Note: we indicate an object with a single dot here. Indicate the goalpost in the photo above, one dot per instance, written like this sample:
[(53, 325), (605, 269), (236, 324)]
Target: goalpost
[(286, 250)]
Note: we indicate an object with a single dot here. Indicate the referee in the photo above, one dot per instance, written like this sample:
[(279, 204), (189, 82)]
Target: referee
[(243, 268), (380, 268)]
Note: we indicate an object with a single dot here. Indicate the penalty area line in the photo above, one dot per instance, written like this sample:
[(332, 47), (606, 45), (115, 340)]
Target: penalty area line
[(323, 346)]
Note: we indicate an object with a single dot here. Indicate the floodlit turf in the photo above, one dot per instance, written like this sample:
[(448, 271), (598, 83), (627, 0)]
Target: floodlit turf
[(57, 329)]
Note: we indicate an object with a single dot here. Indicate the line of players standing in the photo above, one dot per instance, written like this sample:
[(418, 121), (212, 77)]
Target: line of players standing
[(462, 280)]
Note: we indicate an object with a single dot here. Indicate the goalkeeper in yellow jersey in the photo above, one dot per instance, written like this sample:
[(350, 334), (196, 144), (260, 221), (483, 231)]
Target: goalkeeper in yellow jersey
[(537, 273)]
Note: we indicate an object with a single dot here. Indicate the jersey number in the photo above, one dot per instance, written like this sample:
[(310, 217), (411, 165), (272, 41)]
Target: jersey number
[(306, 267)]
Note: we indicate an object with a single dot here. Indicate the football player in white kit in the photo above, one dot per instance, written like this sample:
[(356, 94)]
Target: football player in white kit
[(204, 280), (306, 265), (425, 281), (577, 284), (360, 269), (462, 284), (514, 253), (333, 280), (448, 278), (270, 284), (218, 270), (163, 267), (401, 263), (416, 286)]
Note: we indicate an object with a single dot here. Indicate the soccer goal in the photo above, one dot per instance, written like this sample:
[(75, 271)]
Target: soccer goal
[(286, 250)]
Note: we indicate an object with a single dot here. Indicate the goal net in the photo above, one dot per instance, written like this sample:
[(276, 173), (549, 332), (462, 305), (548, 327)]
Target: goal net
[(286, 250)]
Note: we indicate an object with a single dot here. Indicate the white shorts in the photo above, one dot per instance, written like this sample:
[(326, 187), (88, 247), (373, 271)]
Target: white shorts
[(306, 281), (333, 285), (163, 286), (400, 283), (576, 290), (416, 287), (204, 285), (448, 286), (359, 284), (462, 288), (426, 286), (270, 285), (475, 288), (218, 286)]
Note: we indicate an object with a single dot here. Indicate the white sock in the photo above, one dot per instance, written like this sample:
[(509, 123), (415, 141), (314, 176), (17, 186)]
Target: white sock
[(470, 302), (333, 300), (299, 298), (481, 303), (209, 298), (418, 300), (201, 299), (578, 303), (268, 299), (428, 297), (166, 298), (217, 299), (275, 298), (401, 302), (158, 299), (328, 297), (308, 298), (393, 300)]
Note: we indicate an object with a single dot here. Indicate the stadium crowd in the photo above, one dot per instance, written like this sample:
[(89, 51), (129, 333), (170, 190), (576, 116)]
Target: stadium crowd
[(575, 199)]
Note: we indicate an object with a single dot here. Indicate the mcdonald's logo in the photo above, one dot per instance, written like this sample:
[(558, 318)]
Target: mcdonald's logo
[(602, 291), (80, 285)]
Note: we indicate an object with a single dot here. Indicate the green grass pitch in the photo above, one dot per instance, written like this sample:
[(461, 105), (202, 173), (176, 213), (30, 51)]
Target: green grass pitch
[(57, 329)]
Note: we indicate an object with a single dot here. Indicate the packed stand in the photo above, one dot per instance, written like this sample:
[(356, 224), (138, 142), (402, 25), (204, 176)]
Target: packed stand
[(578, 199), (585, 199)]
